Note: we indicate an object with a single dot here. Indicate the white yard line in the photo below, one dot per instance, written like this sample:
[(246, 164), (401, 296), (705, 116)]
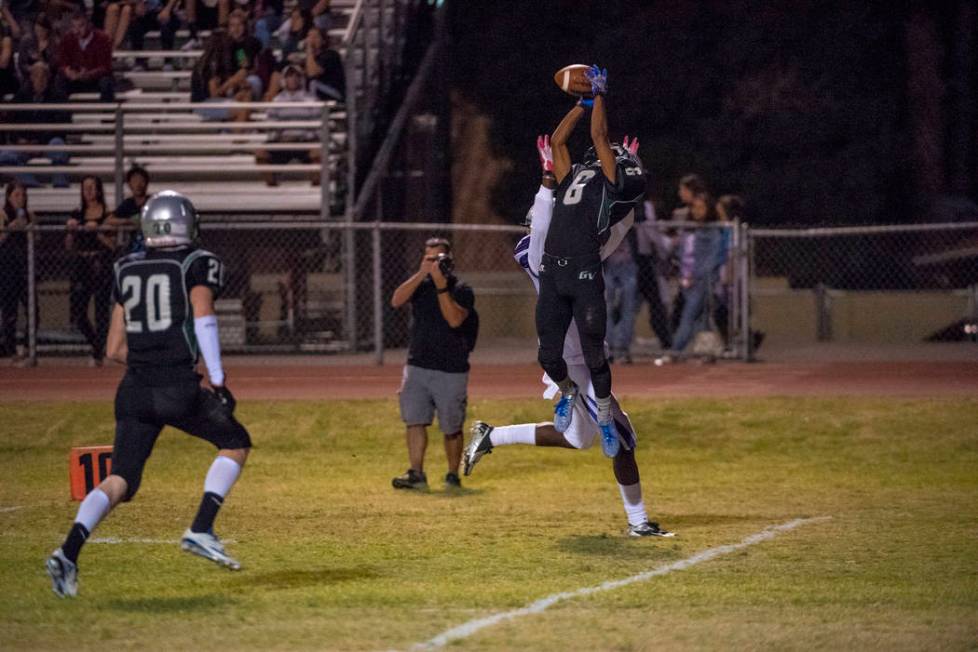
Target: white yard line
[(115, 540), (12, 508), (467, 629)]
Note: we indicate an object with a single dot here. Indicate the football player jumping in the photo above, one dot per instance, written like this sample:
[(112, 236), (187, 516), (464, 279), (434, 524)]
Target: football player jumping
[(585, 426), (163, 319), (590, 198)]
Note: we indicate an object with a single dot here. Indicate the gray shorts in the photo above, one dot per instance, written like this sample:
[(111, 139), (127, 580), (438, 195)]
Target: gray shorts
[(425, 390)]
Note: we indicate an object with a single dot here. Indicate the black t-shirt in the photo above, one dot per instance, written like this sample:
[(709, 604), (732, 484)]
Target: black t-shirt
[(244, 52), (154, 289), (435, 344), (86, 240), (586, 205), (333, 74), (128, 208)]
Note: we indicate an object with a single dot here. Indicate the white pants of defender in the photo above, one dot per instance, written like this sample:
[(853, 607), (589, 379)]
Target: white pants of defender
[(584, 426)]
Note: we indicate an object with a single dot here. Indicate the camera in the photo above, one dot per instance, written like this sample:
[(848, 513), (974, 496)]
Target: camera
[(445, 264)]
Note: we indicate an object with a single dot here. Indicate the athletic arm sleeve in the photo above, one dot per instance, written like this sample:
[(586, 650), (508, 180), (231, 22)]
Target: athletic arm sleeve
[(543, 208), (205, 328)]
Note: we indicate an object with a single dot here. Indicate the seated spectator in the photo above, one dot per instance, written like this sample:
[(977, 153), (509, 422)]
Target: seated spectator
[(245, 49), (324, 67), (292, 35), (38, 90), (267, 15), (126, 215), (294, 91), (700, 252), (216, 80), (205, 15), (39, 46), (320, 11), (113, 18), (152, 15), (85, 60), (14, 218), (10, 23), (8, 77)]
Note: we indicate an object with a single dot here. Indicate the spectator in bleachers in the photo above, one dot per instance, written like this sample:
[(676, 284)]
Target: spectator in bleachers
[(8, 76), (91, 245), (267, 15), (38, 90), (324, 67), (292, 35), (700, 252), (320, 11), (113, 17), (294, 91), (86, 60), (16, 216), (41, 45), (245, 49), (152, 15), (216, 80), (11, 23), (205, 15)]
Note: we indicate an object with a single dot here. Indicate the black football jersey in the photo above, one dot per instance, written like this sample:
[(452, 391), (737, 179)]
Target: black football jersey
[(586, 204), (153, 287)]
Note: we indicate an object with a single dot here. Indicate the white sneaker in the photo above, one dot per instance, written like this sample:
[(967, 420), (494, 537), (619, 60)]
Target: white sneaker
[(64, 575), (208, 546), (191, 44)]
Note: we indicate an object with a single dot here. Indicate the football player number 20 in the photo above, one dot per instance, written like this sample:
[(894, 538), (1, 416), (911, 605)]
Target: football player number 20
[(157, 300)]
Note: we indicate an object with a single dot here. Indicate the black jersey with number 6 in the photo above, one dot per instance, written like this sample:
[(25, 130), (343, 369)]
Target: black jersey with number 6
[(586, 205), (153, 287)]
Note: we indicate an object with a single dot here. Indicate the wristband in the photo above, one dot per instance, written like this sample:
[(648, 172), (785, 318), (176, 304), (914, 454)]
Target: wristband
[(586, 102), (443, 290)]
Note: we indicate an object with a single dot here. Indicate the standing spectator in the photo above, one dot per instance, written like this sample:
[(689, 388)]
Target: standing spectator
[(8, 75), (152, 15), (16, 216), (91, 246), (294, 91), (729, 208), (38, 47), (126, 214), (652, 248), (324, 67), (700, 252), (86, 60), (38, 90), (621, 293), (690, 186), (443, 333)]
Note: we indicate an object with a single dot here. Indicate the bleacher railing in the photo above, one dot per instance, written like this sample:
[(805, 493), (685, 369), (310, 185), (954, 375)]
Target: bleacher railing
[(133, 128)]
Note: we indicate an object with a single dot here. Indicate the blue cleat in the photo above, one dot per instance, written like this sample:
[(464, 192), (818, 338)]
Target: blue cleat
[(564, 410), (609, 439)]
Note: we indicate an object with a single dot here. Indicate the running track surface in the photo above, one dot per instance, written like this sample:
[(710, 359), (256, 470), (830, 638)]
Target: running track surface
[(248, 380)]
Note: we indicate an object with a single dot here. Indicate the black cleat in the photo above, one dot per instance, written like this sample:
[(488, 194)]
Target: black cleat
[(452, 481), (648, 529), (411, 479)]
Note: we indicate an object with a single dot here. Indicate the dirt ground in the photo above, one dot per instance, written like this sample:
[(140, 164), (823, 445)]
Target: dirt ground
[(285, 379)]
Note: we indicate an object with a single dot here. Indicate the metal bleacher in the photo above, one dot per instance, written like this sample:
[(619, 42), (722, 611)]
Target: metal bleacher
[(154, 124)]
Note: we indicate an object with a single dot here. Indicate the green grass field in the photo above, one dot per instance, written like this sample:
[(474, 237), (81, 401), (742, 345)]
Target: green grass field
[(336, 559)]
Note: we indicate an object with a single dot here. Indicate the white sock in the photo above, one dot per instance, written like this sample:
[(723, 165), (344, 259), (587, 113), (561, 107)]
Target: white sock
[(221, 476), (631, 496), (524, 433), (93, 509)]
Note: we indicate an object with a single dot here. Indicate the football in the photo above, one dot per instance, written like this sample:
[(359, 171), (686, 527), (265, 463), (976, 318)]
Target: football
[(572, 81)]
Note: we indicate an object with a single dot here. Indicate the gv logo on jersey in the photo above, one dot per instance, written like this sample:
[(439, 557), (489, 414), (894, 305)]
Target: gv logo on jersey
[(585, 276)]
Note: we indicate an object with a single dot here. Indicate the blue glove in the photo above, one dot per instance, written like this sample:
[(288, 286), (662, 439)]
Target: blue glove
[(598, 78), (586, 102)]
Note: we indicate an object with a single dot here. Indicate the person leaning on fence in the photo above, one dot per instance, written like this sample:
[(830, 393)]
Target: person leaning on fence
[(621, 294), (14, 219), (91, 243), (126, 215), (38, 90), (85, 60), (700, 251), (294, 91), (444, 328)]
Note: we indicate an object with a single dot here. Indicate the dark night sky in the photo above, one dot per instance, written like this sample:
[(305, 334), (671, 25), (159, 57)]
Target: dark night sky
[(817, 112)]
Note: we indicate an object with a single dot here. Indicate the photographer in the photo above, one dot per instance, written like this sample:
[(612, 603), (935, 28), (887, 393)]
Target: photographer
[(444, 327)]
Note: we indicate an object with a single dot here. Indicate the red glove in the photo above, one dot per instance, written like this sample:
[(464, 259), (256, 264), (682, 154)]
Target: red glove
[(546, 154)]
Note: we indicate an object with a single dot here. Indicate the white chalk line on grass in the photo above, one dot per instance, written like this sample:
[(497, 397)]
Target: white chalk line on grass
[(117, 540), (467, 629), (12, 508)]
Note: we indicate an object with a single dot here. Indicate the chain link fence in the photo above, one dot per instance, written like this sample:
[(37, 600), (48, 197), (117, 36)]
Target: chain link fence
[(324, 288), (878, 285)]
